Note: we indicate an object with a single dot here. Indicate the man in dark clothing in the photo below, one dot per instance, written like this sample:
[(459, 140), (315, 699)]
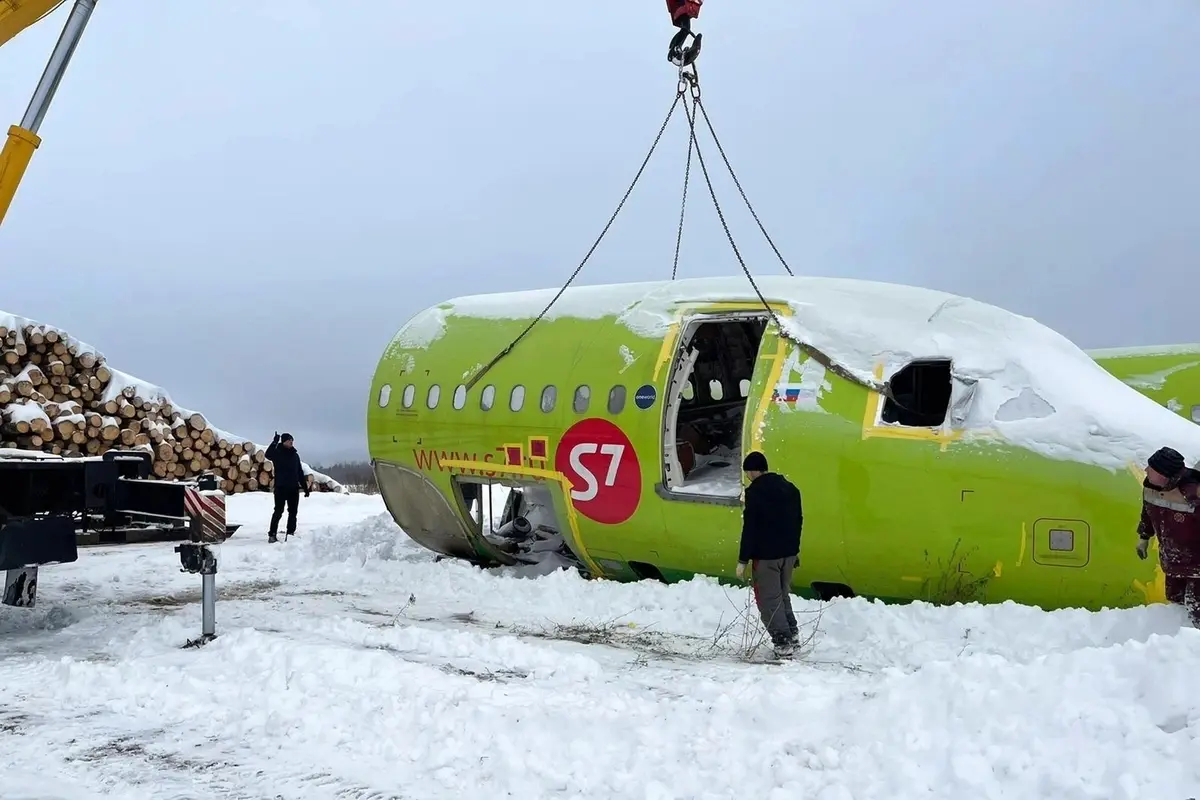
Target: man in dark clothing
[(289, 480), (771, 523), (1170, 496)]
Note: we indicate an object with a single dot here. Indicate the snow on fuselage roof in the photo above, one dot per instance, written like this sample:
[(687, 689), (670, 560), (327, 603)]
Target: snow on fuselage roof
[(1034, 387), (1146, 350)]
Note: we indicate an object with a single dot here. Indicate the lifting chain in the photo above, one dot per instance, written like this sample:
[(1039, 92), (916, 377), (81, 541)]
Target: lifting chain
[(688, 87)]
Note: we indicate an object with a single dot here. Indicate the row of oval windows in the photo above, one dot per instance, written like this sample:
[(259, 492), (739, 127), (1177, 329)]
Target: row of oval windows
[(516, 398)]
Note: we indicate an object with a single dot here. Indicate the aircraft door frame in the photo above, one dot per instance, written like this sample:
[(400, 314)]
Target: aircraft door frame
[(778, 412)]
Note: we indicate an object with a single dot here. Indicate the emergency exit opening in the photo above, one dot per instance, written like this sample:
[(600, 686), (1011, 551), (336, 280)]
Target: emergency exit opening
[(518, 519), (707, 398)]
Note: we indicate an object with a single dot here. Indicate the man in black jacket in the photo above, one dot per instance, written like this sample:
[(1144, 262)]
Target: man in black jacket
[(288, 481), (771, 521)]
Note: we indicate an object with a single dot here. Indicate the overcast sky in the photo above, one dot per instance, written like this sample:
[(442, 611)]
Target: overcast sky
[(243, 201)]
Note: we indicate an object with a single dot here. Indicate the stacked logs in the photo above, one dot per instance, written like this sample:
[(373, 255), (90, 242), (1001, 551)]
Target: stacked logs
[(58, 395)]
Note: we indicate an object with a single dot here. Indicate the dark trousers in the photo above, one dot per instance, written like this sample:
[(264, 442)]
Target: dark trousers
[(1185, 592), (773, 595), (292, 498)]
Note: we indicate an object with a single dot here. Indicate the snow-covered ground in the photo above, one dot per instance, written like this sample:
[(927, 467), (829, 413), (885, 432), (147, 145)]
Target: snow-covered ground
[(350, 664)]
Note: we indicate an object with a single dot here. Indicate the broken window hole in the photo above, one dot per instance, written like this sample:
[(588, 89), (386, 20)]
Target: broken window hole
[(922, 395)]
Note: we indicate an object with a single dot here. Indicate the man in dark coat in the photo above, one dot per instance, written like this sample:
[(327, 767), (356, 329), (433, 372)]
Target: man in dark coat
[(1170, 496), (771, 521), (288, 481)]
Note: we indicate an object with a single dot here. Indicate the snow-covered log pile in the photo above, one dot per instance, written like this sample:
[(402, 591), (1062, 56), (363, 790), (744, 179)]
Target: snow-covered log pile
[(58, 395)]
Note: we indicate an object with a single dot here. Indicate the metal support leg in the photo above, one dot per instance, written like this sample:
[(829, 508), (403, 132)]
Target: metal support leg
[(196, 557), (20, 587), (208, 600)]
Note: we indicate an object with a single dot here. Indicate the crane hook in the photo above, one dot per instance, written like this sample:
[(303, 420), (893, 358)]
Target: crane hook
[(682, 56)]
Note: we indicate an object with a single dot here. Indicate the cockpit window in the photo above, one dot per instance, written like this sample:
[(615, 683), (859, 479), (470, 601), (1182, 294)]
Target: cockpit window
[(920, 394)]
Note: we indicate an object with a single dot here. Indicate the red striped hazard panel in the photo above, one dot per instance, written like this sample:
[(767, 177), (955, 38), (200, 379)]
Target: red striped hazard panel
[(209, 509)]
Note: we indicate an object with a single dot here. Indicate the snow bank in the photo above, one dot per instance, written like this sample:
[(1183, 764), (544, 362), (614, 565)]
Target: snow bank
[(376, 538), (413, 678), (1034, 388)]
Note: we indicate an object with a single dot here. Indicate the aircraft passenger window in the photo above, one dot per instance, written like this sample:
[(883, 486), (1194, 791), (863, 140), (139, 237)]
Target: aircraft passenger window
[(517, 398), (583, 396), (385, 394), (616, 400), (460, 396), (549, 396), (715, 390), (488, 398), (922, 391), (744, 387), (410, 396), (689, 390), (431, 399)]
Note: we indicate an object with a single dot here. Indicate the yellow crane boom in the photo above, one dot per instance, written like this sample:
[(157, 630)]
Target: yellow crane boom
[(23, 139), (17, 15)]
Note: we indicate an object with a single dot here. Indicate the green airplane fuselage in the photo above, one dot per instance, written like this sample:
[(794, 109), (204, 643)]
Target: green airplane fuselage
[(1168, 374), (587, 406)]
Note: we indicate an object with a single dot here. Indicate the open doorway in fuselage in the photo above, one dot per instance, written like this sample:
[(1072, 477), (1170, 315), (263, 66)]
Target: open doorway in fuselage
[(516, 517), (706, 398)]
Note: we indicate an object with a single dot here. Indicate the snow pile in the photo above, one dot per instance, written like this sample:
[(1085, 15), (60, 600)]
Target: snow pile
[(715, 474), (26, 412), (430, 680), (1033, 387), (376, 538), (17, 453)]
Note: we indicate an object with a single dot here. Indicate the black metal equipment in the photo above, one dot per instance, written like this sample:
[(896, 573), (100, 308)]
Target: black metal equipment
[(206, 504), (50, 505)]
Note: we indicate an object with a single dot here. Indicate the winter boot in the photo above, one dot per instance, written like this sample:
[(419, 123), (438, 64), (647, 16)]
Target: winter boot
[(272, 538), (784, 648)]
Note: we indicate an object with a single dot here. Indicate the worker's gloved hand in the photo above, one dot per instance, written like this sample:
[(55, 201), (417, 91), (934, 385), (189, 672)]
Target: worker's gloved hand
[(741, 569), (306, 492), (1143, 546)]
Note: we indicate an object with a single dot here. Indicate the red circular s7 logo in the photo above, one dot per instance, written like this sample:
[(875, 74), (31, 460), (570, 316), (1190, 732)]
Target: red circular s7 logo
[(606, 479)]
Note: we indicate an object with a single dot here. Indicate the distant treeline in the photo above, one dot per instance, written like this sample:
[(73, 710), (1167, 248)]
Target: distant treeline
[(357, 476)]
